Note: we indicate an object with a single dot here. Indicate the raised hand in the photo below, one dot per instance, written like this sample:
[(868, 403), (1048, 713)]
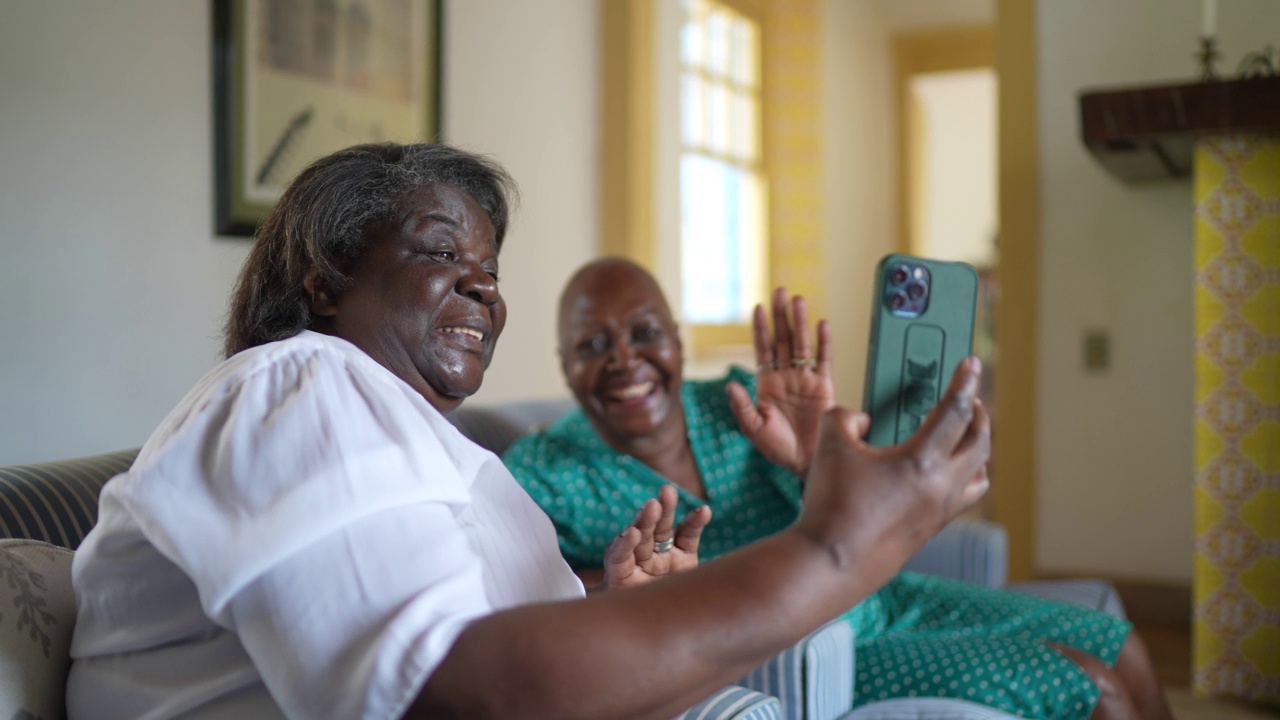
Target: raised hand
[(652, 545), (793, 386), (881, 504)]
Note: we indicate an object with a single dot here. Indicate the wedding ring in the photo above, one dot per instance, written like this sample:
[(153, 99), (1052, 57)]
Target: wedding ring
[(766, 367), (804, 362), (661, 546)]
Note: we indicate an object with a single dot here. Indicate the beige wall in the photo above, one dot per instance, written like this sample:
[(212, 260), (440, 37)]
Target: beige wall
[(521, 83), (1115, 448), (858, 93), (112, 284)]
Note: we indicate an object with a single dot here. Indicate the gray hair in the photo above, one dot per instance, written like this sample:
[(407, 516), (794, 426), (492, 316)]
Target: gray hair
[(322, 221)]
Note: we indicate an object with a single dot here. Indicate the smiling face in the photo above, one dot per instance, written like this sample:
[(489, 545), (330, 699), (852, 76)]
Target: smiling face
[(621, 353), (423, 298)]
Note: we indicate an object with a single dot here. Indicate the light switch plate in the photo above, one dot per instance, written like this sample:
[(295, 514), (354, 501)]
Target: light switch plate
[(1097, 350)]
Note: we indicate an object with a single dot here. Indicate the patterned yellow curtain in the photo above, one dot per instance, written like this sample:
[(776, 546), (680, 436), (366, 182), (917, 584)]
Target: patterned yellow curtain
[(1237, 563)]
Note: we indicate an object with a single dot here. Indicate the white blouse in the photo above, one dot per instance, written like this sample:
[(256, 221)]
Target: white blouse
[(304, 536)]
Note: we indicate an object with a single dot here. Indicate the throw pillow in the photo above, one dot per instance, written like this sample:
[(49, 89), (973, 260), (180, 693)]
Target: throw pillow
[(37, 615)]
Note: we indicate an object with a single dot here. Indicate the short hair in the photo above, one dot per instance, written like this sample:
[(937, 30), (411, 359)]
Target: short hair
[(323, 219)]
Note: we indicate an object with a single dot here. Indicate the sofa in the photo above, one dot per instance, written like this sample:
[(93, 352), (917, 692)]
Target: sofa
[(47, 508)]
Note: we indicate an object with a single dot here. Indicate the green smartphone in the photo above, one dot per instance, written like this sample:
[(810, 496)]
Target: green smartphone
[(922, 314)]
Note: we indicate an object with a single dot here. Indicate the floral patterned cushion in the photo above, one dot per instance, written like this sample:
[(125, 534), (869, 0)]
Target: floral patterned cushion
[(37, 614)]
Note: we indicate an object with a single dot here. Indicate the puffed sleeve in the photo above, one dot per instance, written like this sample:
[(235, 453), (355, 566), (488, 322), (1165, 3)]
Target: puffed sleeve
[(316, 511)]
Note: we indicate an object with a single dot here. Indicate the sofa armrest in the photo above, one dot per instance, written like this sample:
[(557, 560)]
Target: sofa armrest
[(813, 679), (1092, 593), (735, 703), (927, 708), (974, 551)]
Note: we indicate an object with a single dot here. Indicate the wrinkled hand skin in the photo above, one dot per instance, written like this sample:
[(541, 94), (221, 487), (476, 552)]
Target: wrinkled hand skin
[(860, 498), (630, 559), (790, 401)]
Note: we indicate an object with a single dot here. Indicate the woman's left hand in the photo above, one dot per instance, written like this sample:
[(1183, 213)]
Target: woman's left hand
[(633, 557), (793, 385)]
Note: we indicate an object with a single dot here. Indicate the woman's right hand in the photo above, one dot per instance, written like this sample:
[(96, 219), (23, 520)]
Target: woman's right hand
[(881, 504)]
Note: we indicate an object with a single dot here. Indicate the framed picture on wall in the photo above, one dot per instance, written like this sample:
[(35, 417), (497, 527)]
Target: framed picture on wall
[(295, 80)]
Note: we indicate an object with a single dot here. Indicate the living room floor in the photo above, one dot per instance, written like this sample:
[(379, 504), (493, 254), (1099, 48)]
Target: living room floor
[(1169, 645)]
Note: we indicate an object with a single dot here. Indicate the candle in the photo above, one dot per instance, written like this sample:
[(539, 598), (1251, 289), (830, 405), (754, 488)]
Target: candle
[(1209, 19)]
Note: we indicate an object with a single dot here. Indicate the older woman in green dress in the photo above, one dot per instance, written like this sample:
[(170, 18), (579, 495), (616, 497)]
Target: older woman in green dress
[(730, 456)]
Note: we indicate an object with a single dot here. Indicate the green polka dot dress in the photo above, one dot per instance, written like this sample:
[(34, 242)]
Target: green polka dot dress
[(919, 636)]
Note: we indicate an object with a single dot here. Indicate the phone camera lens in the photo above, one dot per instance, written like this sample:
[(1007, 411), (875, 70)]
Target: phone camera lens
[(897, 301), (900, 275), (915, 290)]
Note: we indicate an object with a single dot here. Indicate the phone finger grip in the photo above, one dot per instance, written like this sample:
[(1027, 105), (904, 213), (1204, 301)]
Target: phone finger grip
[(922, 353)]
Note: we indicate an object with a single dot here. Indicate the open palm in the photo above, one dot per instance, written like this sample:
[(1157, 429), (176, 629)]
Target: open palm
[(793, 386), (631, 558)]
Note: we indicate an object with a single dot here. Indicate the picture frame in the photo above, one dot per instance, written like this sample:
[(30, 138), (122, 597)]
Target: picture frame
[(295, 80)]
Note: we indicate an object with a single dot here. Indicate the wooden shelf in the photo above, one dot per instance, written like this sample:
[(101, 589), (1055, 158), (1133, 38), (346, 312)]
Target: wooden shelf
[(1149, 133)]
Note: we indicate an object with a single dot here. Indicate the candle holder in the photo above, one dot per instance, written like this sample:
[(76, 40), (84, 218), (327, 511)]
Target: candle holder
[(1208, 57), (1264, 63)]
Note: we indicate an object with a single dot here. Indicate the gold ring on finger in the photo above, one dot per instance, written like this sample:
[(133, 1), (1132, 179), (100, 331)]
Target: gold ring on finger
[(807, 362), (766, 367)]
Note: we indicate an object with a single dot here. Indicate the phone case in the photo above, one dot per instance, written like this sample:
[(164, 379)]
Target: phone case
[(914, 349)]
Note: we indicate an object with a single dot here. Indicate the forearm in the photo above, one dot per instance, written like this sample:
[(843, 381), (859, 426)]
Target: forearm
[(649, 651)]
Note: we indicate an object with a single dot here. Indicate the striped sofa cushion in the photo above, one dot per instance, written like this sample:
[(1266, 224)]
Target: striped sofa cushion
[(971, 550), (56, 502), (813, 678), (735, 703), (920, 708)]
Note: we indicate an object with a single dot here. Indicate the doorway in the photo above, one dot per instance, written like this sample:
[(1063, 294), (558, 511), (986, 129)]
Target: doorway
[(948, 205)]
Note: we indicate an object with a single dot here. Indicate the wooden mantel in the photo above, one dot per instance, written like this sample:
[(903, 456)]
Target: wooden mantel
[(1147, 133)]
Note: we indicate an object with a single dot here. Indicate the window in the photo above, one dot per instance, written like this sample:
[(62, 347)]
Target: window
[(712, 157), (722, 183)]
